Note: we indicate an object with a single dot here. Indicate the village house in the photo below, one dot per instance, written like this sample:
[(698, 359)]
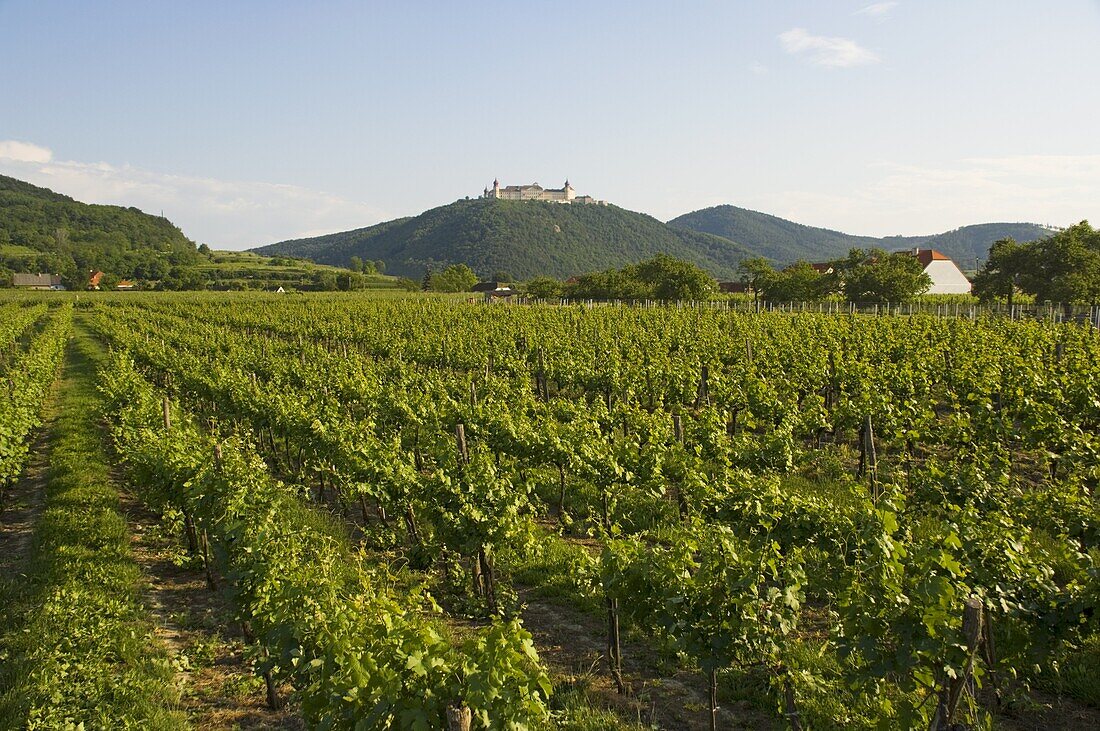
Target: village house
[(945, 274), (488, 286), (37, 281)]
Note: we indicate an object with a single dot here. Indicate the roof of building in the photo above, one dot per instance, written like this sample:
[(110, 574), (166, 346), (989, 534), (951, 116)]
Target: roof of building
[(35, 280), (927, 256), (532, 186), (924, 256), (733, 287)]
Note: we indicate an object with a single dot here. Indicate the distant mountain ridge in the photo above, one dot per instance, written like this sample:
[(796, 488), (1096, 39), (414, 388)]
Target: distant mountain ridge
[(530, 238), (786, 241), (521, 238)]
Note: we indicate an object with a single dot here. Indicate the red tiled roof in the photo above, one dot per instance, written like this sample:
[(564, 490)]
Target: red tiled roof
[(927, 256)]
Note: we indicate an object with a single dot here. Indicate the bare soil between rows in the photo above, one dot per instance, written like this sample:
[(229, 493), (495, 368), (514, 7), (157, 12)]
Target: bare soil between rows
[(572, 644), (218, 687), (22, 502)]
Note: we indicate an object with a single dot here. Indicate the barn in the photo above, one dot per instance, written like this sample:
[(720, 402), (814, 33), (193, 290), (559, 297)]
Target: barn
[(946, 276)]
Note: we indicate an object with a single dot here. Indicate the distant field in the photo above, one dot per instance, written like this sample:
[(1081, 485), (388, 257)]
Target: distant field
[(243, 269)]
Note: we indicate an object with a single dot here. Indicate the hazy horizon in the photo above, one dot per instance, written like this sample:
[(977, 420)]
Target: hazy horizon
[(257, 122)]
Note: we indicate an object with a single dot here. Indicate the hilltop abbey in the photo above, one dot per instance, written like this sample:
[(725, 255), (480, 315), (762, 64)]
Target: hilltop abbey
[(535, 192)]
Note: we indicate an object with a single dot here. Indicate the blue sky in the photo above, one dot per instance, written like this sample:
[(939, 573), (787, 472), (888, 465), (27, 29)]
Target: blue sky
[(250, 122)]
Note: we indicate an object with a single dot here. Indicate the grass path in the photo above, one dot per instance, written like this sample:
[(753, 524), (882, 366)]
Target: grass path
[(76, 643), (22, 504), (102, 621)]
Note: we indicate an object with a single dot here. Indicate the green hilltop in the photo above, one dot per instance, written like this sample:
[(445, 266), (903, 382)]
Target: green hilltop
[(786, 241), (44, 231), (41, 230), (522, 238)]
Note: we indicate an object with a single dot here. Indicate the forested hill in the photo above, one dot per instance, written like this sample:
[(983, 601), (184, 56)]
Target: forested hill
[(970, 242), (44, 231), (520, 238), (786, 241)]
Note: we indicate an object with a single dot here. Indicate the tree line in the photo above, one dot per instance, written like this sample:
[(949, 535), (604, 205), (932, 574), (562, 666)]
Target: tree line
[(870, 275), (1063, 268), (865, 276)]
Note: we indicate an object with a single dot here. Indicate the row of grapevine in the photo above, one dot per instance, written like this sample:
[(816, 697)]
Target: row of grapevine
[(27, 381), (358, 650), (713, 456)]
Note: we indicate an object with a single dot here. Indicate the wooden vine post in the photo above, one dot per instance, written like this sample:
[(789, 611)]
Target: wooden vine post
[(678, 435), (614, 647), (460, 444), (482, 565), (868, 462), (459, 718), (206, 562), (540, 379), (188, 520), (953, 689), (790, 708), (561, 491), (712, 678), (702, 394), (831, 388), (269, 680), (463, 460)]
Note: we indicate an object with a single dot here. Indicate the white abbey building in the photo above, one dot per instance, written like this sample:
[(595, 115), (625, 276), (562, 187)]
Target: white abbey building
[(535, 192)]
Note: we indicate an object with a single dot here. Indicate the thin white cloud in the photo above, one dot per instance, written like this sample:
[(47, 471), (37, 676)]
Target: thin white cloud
[(925, 199), (825, 50), (877, 9), (23, 152), (758, 69), (223, 213)]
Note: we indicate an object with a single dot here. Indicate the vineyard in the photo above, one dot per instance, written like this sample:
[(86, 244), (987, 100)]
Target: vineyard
[(421, 514)]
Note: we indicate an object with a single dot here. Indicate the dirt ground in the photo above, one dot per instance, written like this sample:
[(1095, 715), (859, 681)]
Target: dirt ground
[(218, 687), (572, 644)]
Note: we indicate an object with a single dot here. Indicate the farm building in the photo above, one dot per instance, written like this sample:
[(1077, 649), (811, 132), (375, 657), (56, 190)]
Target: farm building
[(946, 276), (500, 294), (733, 287), (37, 281)]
